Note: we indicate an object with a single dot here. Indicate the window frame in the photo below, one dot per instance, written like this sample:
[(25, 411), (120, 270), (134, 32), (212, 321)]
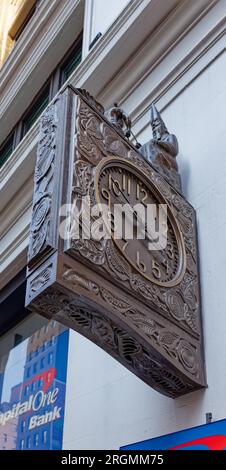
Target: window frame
[(10, 137), (76, 47), (45, 90)]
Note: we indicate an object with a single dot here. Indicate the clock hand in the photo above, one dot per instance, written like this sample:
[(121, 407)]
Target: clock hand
[(143, 226), (159, 258), (158, 255)]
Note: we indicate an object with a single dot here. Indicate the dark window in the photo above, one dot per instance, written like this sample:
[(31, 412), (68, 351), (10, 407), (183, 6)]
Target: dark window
[(35, 110), (33, 386), (29, 357), (6, 150), (50, 358), (36, 439), (40, 383), (23, 425), (44, 437), (72, 61), (28, 442)]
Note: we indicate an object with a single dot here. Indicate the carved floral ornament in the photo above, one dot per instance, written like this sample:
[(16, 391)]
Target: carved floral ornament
[(150, 322)]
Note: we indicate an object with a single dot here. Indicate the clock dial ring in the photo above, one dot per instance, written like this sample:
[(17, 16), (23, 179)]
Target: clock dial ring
[(167, 267)]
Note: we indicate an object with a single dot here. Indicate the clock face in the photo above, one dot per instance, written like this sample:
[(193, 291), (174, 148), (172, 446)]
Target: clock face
[(118, 181)]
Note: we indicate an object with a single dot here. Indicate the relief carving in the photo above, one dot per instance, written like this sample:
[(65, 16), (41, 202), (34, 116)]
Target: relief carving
[(43, 183), (91, 100), (101, 330), (174, 346), (39, 282)]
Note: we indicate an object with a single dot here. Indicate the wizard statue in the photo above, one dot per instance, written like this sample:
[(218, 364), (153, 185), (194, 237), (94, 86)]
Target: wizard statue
[(162, 149)]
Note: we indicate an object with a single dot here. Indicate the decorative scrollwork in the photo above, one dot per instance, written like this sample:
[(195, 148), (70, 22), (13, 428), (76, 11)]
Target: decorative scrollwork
[(82, 177), (73, 277), (92, 250), (116, 341), (91, 100), (42, 200), (118, 266), (170, 342)]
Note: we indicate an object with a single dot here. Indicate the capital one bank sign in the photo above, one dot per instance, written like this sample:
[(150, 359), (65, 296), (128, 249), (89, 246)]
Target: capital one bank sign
[(35, 403), (32, 393)]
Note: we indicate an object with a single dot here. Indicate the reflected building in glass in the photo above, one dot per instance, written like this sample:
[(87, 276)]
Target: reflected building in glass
[(33, 417)]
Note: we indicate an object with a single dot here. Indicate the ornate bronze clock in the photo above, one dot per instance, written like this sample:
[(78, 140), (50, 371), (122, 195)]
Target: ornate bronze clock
[(140, 305), (120, 182)]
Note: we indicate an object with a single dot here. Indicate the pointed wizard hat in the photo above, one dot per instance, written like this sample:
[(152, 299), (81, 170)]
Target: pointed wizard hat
[(157, 121)]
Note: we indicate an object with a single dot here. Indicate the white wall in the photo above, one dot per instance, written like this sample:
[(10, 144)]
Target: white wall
[(104, 13), (100, 14), (106, 405)]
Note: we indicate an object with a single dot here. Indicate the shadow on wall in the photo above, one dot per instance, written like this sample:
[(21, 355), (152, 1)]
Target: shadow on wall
[(187, 410), (184, 170)]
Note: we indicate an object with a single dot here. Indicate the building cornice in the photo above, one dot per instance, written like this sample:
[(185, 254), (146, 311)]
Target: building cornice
[(134, 24), (129, 77), (172, 35), (19, 167)]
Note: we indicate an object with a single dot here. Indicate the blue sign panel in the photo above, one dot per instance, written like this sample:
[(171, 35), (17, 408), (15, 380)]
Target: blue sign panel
[(32, 391), (207, 437)]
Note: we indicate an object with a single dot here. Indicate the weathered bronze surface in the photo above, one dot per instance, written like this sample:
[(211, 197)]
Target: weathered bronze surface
[(162, 149), (119, 119), (148, 319)]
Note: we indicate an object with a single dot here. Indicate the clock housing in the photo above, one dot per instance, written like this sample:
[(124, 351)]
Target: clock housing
[(146, 315)]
